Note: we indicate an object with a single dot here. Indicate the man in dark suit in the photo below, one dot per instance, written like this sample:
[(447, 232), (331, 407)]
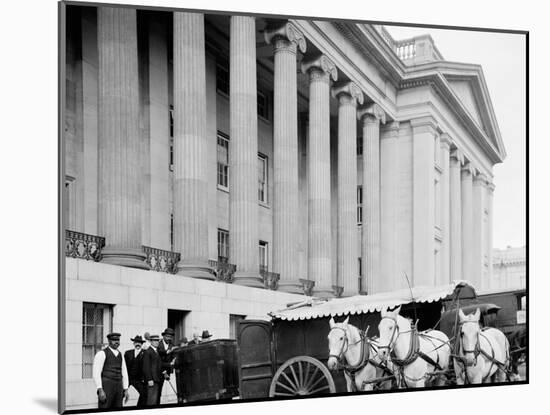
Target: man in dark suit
[(166, 346), (134, 364), (152, 371)]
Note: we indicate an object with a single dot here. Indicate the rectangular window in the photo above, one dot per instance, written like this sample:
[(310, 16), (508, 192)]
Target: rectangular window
[(263, 105), (171, 118), (359, 146), (223, 245), (234, 320), (223, 160), (172, 232), (97, 322), (359, 205), (262, 259), (262, 178), (222, 75)]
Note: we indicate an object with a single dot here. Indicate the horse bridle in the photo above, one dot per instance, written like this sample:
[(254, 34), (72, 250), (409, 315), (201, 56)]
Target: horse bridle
[(393, 337), (345, 344), (477, 347)]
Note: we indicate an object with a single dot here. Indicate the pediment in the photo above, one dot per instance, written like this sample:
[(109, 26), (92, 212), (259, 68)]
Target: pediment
[(463, 89)]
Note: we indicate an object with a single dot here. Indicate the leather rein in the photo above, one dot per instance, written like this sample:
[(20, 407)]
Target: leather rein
[(413, 352)]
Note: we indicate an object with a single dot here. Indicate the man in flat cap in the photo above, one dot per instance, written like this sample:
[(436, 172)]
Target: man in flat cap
[(152, 371), (134, 364), (110, 375)]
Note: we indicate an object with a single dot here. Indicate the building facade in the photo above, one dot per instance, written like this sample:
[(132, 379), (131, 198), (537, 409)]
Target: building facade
[(219, 167), (509, 268)]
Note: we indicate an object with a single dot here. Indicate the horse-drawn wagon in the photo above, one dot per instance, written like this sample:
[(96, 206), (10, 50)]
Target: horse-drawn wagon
[(324, 346)]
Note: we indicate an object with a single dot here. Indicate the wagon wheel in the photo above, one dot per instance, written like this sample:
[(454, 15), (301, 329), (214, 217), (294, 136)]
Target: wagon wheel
[(301, 375)]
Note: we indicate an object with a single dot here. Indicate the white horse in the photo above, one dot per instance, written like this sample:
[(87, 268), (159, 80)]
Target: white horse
[(416, 356), (482, 354), (359, 357)]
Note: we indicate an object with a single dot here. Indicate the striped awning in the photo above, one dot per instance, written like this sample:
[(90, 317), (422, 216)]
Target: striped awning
[(360, 304)]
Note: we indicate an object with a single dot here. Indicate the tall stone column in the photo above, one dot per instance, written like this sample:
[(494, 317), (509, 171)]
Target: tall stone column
[(320, 71), (390, 143), (478, 213), (190, 144), (243, 152), (455, 165), (348, 95), (120, 181), (489, 239), (371, 118), (286, 40), (445, 272), (467, 223), (424, 132)]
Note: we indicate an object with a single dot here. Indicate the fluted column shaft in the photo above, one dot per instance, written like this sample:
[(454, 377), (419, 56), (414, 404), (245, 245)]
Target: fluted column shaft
[(319, 226), (348, 96), (455, 216), (424, 132), (467, 223), (489, 239), (120, 181), (370, 229), (243, 151), (445, 272), (285, 41), (190, 144), (478, 201)]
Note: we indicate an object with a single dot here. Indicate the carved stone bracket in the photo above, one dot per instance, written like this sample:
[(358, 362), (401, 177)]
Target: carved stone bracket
[(458, 155), (287, 32), (307, 286), (445, 140), (84, 246), (320, 64), (338, 291), (372, 113)]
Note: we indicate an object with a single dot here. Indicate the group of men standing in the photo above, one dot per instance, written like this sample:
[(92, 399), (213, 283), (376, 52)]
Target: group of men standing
[(145, 368)]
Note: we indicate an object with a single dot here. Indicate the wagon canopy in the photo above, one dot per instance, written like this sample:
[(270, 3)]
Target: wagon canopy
[(360, 304)]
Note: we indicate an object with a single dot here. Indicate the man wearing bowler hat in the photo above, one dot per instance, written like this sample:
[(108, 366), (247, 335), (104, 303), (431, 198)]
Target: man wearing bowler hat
[(134, 364), (152, 371), (110, 375), (205, 336)]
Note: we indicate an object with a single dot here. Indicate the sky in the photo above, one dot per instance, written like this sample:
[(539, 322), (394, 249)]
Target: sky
[(502, 57)]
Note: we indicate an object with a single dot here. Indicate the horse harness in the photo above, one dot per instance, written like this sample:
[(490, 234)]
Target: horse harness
[(366, 348), (414, 351), (476, 352)]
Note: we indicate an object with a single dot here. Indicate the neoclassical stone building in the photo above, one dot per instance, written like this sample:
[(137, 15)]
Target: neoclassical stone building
[(218, 167)]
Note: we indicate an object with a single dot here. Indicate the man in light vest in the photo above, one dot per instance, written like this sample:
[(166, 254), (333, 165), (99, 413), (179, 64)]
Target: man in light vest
[(110, 375)]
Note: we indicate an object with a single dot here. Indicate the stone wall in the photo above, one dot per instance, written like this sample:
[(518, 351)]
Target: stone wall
[(141, 300)]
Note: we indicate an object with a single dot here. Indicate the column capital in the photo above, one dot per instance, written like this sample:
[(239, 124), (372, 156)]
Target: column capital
[(490, 186), (337, 290), (445, 141), (319, 67), (287, 32), (371, 114), (468, 168), (457, 155), (391, 130), (348, 92), (480, 179)]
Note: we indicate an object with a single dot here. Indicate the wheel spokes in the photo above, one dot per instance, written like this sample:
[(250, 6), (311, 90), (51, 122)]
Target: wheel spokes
[(291, 383), (287, 388), (318, 389), (312, 377)]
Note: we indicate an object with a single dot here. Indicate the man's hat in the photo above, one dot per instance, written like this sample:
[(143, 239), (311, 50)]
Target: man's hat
[(113, 336), (168, 331), (206, 334), (184, 340), (153, 337), (138, 339)]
